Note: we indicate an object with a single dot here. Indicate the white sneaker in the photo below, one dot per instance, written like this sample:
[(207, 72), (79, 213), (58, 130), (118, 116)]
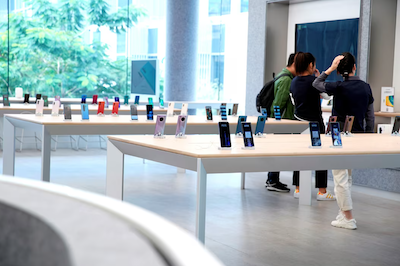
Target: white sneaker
[(296, 194), (340, 215), (344, 223), (327, 196)]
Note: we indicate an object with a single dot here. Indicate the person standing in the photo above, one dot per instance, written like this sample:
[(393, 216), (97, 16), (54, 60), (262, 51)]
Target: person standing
[(352, 97), (282, 99)]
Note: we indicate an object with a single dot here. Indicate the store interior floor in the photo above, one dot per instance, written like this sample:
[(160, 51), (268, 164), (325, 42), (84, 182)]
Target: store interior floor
[(244, 227)]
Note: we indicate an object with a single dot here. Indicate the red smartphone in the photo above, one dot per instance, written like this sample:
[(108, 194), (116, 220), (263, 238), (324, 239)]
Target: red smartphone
[(100, 109), (94, 99), (115, 108)]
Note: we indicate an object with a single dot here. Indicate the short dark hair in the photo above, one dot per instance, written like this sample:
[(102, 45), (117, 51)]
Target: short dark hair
[(346, 65), (302, 61), (290, 60)]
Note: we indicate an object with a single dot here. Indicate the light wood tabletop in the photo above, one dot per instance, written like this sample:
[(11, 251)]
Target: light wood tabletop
[(206, 146), (383, 114)]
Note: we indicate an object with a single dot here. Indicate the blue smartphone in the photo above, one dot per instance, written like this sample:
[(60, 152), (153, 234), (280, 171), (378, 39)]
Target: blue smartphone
[(83, 99), (336, 138), (224, 134), (264, 112), (137, 100), (241, 120), (223, 112), (116, 99), (247, 135), (260, 125), (126, 99), (134, 113), (149, 110), (277, 112), (151, 101), (161, 103), (85, 111)]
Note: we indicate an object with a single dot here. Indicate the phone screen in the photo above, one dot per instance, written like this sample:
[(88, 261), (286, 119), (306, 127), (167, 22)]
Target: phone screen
[(315, 135), (181, 126), (209, 113), (67, 112), (134, 115), (26, 98), (223, 112), (239, 127), (277, 111), (336, 139), (150, 101), (224, 134), (247, 135), (149, 110), (264, 112), (396, 125), (6, 101), (260, 124), (160, 125), (137, 100)]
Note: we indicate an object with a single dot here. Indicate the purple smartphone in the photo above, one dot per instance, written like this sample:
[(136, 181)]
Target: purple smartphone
[(160, 125), (181, 126), (105, 99)]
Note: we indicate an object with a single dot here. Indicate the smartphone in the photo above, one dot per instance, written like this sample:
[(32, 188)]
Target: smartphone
[(137, 100), (315, 135), (115, 108), (348, 124), (46, 101), (260, 125), (223, 104), (396, 125), (181, 126), (161, 103), (229, 111), (239, 127), (126, 99), (170, 110), (134, 113), (85, 111), (26, 98), (336, 139), (150, 101), (38, 97), (67, 112), (209, 113), (94, 98), (247, 135), (55, 108), (6, 100), (116, 99), (83, 99), (100, 108), (160, 125), (264, 112), (39, 107), (149, 111), (224, 134), (223, 112), (184, 110), (235, 108), (277, 112), (105, 99), (332, 119), (57, 98)]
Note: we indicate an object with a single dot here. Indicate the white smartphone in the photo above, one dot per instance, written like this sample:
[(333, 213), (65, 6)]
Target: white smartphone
[(56, 108), (39, 107), (184, 110), (170, 110)]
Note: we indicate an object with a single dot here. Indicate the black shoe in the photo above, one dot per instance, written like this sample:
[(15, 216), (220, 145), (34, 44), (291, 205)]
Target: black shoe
[(279, 187)]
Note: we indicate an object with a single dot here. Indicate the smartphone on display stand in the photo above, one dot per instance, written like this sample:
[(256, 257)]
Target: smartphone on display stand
[(224, 135), (348, 125), (336, 135), (396, 126), (105, 99), (45, 101), (247, 136), (150, 101), (39, 107), (223, 112), (161, 103), (100, 109), (235, 109), (94, 98), (115, 108), (332, 119), (6, 100), (55, 108), (116, 99), (149, 111), (315, 135), (38, 97), (264, 112), (277, 112), (260, 126), (181, 126), (126, 100), (134, 113), (67, 112), (239, 127), (209, 113), (170, 110), (57, 98), (83, 99), (160, 126), (137, 100), (26, 98), (85, 111), (184, 110)]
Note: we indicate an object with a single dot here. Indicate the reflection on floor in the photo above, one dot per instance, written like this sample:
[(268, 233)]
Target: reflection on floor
[(249, 227)]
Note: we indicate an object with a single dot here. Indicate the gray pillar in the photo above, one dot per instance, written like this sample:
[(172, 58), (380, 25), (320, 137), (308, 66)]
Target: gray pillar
[(364, 35), (181, 50)]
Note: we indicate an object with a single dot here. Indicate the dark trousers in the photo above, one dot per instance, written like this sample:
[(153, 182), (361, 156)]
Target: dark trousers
[(321, 178)]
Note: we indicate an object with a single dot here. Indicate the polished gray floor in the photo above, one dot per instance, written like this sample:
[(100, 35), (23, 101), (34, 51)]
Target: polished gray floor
[(244, 227)]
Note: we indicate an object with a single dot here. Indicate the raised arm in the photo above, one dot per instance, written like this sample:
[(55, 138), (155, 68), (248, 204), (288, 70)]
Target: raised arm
[(319, 83)]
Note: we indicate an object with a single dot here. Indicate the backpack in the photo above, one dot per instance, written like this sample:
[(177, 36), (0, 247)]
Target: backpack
[(266, 96)]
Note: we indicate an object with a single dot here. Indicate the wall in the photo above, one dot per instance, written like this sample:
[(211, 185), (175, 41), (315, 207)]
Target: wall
[(396, 63)]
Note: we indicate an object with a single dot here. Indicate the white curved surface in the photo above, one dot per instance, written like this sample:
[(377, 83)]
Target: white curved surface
[(176, 245)]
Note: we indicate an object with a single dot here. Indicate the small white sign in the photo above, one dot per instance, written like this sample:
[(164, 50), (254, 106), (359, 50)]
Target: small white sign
[(387, 99)]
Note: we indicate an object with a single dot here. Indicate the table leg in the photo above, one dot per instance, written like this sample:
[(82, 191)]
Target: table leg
[(243, 180), (305, 188), (115, 172), (201, 201), (8, 148), (46, 150)]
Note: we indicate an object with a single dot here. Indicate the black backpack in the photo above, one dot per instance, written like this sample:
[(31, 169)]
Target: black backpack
[(266, 96)]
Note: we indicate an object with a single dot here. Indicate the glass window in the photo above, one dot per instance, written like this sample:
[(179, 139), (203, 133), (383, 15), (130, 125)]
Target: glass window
[(244, 7), (121, 43), (152, 41), (219, 7), (97, 36), (122, 3), (218, 39)]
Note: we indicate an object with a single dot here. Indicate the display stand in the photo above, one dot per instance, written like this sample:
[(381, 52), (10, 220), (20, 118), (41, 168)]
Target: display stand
[(38, 114), (26, 103), (335, 147), (248, 148), (180, 136), (55, 114), (239, 135), (396, 134), (67, 120), (347, 134), (114, 115), (260, 135), (314, 147), (159, 136), (224, 148), (101, 115)]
